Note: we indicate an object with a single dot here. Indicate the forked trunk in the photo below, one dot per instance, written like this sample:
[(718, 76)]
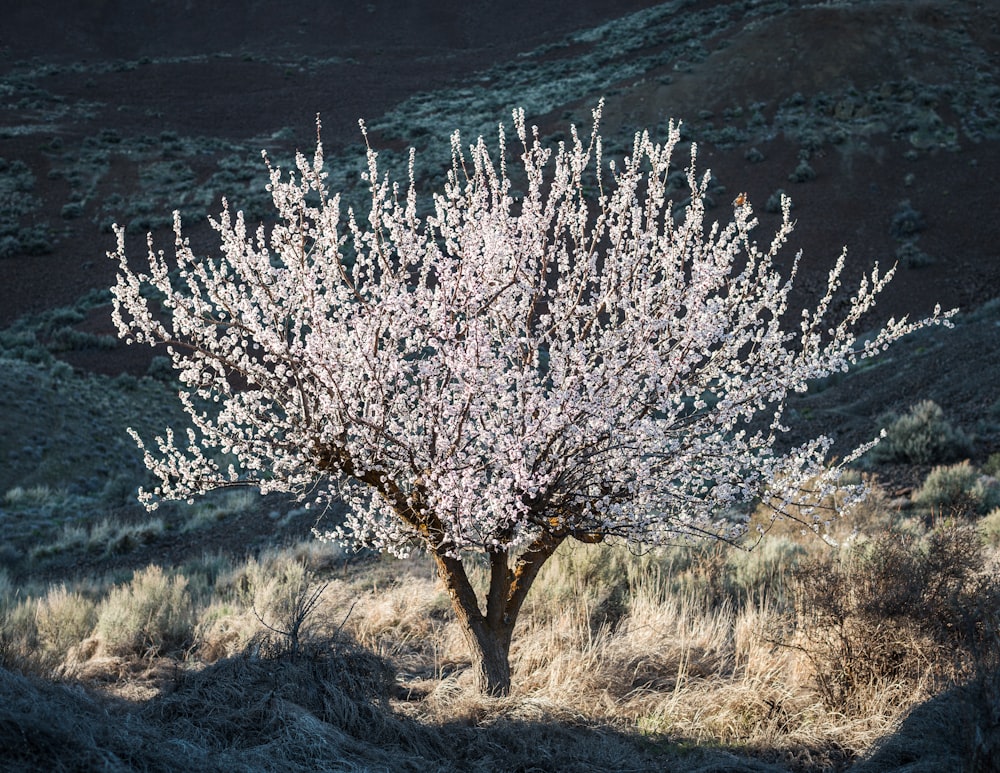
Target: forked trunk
[(489, 635)]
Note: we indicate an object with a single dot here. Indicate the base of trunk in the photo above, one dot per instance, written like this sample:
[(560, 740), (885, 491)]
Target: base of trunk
[(490, 652)]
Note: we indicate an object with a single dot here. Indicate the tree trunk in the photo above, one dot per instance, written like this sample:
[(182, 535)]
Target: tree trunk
[(489, 635), (490, 650)]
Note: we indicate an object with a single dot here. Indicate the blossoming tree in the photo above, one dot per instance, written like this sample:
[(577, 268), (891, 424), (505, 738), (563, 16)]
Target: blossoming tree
[(581, 360)]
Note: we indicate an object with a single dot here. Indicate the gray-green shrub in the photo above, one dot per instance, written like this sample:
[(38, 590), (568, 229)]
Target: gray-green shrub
[(63, 618), (18, 635), (989, 527), (281, 592), (958, 489), (765, 570), (921, 436), (992, 465)]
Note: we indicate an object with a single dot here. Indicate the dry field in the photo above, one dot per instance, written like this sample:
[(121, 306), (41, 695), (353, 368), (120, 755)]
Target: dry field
[(879, 654)]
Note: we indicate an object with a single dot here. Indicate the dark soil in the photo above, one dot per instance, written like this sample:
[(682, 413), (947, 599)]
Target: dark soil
[(248, 85), (226, 72)]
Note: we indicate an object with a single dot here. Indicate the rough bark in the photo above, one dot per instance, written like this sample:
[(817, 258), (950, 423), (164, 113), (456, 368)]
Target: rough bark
[(490, 650)]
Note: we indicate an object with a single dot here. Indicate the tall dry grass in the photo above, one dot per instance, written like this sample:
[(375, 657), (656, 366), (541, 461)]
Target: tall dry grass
[(794, 656)]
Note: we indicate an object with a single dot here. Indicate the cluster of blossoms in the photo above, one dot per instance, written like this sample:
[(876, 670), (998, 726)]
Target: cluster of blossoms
[(580, 360)]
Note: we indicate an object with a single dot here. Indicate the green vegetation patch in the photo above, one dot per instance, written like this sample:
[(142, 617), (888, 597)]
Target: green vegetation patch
[(922, 435), (21, 232), (66, 460)]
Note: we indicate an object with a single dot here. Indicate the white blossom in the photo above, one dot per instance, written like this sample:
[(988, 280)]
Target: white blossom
[(576, 360)]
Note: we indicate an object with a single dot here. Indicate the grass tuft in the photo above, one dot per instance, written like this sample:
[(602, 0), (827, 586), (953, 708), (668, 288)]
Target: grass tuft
[(150, 615)]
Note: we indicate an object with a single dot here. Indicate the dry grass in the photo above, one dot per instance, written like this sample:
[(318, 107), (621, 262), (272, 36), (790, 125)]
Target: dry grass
[(699, 658)]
